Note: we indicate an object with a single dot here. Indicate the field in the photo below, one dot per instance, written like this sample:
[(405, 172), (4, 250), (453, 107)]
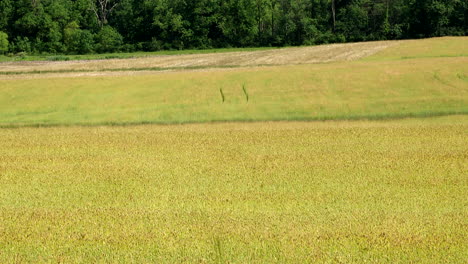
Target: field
[(119, 55), (285, 56), (382, 192), (358, 158), (377, 87)]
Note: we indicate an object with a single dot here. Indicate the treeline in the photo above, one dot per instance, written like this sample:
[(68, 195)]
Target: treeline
[(87, 26)]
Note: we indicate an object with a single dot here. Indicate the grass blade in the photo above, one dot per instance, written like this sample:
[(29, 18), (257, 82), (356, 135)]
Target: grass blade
[(222, 94), (245, 92)]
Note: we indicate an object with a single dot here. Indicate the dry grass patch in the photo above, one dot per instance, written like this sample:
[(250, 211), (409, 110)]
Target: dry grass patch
[(284, 56)]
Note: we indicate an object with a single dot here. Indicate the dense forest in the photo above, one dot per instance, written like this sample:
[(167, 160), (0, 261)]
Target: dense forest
[(90, 26)]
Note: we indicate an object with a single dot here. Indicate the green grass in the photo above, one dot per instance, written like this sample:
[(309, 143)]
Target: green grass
[(434, 47), (390, 84), (383, 191), (120, 55), (320, 192), (122, 70), (425, 48), (351, 90)]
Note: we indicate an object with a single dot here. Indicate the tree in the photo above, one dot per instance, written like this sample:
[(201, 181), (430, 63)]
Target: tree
[(238, 24), (3, 42), (77, 40), (82, 26), (333, 14), (6, 11), (108, 40), (102, 9)]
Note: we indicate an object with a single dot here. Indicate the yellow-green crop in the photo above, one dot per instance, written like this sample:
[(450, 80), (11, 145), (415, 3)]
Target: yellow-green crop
[(351, 90), (427, 48), (378, 87), (320, 192), (381, 191)]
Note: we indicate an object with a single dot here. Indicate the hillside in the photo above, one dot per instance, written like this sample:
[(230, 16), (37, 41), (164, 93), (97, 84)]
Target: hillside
[(388, 84), (131, 161)]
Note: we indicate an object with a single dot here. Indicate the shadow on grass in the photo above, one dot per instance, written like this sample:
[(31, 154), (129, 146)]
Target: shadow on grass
[(371, 117)]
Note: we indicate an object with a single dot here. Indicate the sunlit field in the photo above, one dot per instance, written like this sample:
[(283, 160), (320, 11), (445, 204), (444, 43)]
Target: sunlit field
[(345, 160), (377, 87), (320, 192)]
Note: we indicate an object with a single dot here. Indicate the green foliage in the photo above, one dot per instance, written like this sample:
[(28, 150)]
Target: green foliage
[(238, 23), (69, 34), (352, 22), (21, 44), (83, 42), (6, 11), (78, 41), (58, 58), (3, 42), (108, 40), (201, 24)]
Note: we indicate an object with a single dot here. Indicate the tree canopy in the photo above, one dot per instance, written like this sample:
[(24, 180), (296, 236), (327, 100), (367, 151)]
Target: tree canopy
[(3, 42), (86, 26)]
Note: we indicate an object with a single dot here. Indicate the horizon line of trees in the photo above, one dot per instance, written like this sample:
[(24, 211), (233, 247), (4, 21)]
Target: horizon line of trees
[(90, 26)]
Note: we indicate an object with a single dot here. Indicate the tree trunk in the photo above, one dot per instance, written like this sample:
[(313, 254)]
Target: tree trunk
[(102, 10), (388, 12), (273, 5), (333, 14)]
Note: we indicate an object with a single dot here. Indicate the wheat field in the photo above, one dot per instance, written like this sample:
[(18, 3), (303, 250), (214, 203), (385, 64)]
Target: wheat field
[(359, 160), (281, 192)]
